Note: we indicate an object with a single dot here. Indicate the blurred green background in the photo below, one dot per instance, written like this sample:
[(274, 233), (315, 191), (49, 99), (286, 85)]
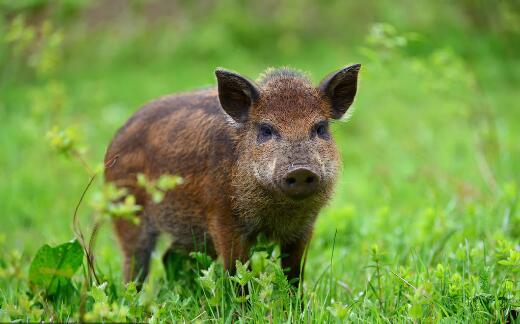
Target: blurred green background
[(431, 152)]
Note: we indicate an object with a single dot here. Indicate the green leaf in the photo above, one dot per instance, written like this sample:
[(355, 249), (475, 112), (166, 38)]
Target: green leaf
[(157, 196), (243, 275), (259, 261), (202, 259), (53, 268), (167, 182), (208, 278), (98, 293)]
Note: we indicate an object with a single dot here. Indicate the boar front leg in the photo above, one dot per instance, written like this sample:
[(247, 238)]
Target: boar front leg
[(229, 244), (293, 258)]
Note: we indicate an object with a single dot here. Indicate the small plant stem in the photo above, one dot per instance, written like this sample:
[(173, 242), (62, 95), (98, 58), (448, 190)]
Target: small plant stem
[(379, 284), (77, 155), (79, 232)]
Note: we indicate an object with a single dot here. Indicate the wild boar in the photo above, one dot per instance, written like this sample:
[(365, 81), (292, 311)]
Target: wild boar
[(256, 157)]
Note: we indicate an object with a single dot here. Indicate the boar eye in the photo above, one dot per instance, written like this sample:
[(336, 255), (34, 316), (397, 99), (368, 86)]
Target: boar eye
[(265, 133), (322, 130)]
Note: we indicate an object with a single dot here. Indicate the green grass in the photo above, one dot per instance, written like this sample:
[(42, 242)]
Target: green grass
[(424, 225)]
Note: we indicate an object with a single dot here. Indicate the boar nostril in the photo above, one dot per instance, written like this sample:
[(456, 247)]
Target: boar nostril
[(300, 183), (290, 181)]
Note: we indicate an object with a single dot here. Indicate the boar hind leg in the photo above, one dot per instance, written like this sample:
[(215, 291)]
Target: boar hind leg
[(137, 243)]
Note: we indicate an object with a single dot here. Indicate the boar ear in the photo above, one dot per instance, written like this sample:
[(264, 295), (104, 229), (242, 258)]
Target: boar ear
[(340, 88), (236, 94)]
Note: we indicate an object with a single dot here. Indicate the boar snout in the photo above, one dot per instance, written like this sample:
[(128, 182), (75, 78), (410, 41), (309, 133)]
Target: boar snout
[(300, 183)]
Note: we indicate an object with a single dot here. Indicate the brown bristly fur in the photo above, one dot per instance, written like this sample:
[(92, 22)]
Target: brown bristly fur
[(230, 192)]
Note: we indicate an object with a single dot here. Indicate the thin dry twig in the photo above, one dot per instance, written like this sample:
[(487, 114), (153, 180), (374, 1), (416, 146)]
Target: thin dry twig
[(79, 233), (88, 248)]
